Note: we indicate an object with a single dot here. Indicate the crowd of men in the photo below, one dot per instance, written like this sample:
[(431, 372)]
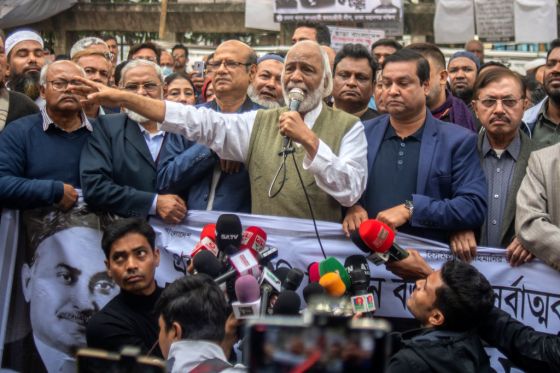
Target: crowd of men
[(452, 151)]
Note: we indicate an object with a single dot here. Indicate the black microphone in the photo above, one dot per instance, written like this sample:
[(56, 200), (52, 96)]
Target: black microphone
[(361, 298), (228, 233), (205, 262), (294, 277), (287, 304), (295, 98), (313, 289)]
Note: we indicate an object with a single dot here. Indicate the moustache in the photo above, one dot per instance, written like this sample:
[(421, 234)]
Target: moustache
[(77, 317)]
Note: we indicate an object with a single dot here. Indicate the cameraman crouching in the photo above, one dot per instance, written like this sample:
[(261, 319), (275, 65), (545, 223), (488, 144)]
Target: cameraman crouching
[(192, 320)]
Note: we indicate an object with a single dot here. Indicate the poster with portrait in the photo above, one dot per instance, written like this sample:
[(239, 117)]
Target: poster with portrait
[(59, 282), (384, 15)]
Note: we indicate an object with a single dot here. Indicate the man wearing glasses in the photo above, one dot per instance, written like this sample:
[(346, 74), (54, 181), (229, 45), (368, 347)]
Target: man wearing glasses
[(39, 153), (118, 164), (194, 170), (329, 146), (499, 100)]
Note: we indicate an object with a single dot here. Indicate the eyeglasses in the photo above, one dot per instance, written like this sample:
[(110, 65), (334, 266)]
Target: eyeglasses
[(508, 102), (148, 87), (61, 84), (229, 65)]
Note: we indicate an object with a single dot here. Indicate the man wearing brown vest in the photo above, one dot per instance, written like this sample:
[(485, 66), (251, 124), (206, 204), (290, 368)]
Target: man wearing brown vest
[(330, 148)]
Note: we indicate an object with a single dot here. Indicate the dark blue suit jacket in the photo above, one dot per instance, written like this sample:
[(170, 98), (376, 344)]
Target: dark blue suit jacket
[(186, 169), (117, 170), (451, 186)]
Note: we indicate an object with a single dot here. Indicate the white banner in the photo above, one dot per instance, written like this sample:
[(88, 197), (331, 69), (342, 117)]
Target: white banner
[(380, 14), (530, 293), (346, 35), (453, 21)]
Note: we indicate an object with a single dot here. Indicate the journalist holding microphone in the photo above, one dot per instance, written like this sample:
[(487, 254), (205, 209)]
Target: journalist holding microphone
[(329, 150)]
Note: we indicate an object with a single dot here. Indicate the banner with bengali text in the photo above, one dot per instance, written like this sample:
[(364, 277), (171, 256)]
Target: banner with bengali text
[(529, 293)]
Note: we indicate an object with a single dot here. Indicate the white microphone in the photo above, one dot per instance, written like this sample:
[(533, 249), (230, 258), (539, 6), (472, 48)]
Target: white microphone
[(248, 297)]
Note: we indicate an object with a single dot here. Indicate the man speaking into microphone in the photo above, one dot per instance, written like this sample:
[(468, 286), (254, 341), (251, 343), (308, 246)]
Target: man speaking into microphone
[(329, 145)]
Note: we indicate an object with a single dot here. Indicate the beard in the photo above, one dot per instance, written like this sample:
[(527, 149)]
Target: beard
[(311, 100), (465, 94), (254, 96), (553, 93), (26, 83), (132, 115)]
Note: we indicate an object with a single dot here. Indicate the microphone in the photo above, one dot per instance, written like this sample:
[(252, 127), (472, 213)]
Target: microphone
[(205, 244), (295, 98), (294, 277), (358, 269), (356, 263), (206, 262), (243, 263), (228, 233), (287, 304), (332, 265), (281, 273), (269, 284), (333, 284), (375, 236), (313, 272), (253, 238), (209, 230), (248, 297), (313, 289)]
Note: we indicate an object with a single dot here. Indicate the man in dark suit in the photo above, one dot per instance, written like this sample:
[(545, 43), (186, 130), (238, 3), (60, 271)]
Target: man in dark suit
[(118, 164), (504, 150), (424, 176)]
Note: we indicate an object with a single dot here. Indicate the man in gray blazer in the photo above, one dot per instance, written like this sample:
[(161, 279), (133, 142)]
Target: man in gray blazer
[(499, 101), (118, 163), (537, 220)]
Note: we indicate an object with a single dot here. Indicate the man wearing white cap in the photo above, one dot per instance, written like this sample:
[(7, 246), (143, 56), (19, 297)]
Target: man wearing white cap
[(13, 105), (25, 59)]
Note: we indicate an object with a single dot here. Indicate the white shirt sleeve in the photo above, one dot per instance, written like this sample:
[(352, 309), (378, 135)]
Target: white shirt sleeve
[(226, 134), (344, 176)]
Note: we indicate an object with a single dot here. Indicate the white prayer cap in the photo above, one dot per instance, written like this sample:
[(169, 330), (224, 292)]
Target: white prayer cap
[(19, 36)]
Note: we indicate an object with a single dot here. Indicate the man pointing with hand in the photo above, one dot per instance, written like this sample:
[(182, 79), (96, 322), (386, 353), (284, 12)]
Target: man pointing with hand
[(330, 146)]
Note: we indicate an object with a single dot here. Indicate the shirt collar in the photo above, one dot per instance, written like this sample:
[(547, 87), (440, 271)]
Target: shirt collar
[(542, 112), (47, 121), (390, 133), (513, 149), (151, 135), (312, 116)]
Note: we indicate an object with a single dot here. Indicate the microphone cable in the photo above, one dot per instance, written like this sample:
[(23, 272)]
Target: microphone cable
[(287, 150), (309, 205)]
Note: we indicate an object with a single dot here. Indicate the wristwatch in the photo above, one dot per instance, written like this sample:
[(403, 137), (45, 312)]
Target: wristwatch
[(409, 206)]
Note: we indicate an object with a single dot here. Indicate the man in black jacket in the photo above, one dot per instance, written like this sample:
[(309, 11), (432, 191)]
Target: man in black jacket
[(129, 319), (449, 303), (527, 348)]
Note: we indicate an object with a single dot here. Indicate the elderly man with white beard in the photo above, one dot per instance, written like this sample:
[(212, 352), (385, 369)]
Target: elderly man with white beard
[(329, 150), (118, 163)]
